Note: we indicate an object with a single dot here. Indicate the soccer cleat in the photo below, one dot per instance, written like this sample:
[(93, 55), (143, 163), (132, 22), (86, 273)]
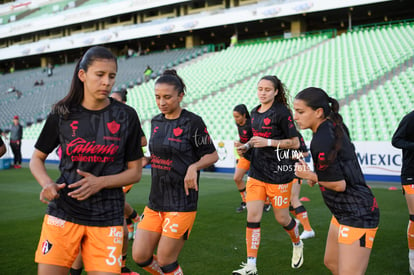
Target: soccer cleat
[(241, 207), (297, 255), (267, 207), (126, 271), (246, 270), (307, 234)]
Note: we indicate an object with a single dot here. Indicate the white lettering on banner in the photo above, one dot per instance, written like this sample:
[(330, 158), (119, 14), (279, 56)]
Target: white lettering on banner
[(378, 158)]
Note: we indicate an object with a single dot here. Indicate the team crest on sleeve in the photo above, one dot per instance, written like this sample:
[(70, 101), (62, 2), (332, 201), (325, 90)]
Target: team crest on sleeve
[(113, 127), (46, 247)]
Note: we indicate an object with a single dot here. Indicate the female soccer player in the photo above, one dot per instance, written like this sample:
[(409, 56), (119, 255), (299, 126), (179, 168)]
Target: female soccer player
[(101, 152), (337, 171), (403, 138), (242, 118), (271, 170), (296, 208), (180, 147)]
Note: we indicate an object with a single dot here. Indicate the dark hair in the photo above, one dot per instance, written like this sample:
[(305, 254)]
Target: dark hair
[(123, 94), (172, 78), (281, 96), (317, 98), (75, 94), (242, 109)]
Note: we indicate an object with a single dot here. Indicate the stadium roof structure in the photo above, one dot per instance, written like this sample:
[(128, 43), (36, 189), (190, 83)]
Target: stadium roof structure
[(204, 20)]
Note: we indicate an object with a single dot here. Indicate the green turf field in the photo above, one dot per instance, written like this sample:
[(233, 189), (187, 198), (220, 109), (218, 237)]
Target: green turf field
[(217, 243)]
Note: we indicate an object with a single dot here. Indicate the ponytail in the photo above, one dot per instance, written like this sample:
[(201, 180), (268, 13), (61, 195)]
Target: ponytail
[(317, 98), (74, 96), (282, 94)]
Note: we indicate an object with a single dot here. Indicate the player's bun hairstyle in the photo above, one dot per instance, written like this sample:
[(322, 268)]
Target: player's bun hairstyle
[(242, 109), (281, 96), (123, 94), (316, 98), (75, 94), (171, 77)]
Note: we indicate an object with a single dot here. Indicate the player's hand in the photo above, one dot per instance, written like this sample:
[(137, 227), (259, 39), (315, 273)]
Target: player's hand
[(50, 192), (190, 179), (302, 169), (258, 142), (86, 187), (311, 183), (237, 143)]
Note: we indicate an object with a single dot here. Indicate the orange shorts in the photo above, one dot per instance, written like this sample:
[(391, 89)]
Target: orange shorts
[(61, 240), (278, 193), (348, 234), (171, 224), (126, 188), (243, 163), (408, 189)]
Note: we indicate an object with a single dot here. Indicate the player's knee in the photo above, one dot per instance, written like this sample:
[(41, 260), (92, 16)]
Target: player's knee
[(331, 265), (283, 218), (141, 258)]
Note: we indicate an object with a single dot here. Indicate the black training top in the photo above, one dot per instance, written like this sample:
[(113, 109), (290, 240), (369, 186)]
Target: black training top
[(174, 145), (403, 138), (98, 142), (356, 206), (270, 164)]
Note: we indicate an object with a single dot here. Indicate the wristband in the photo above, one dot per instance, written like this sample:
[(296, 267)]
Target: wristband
[(269, 142), (247, 146)]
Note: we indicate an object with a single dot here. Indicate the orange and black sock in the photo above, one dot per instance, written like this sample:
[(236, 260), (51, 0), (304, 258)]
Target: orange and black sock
[(243, 194), (173, 269), (293, 231), (252, 239), (302, 215), (151, 266)]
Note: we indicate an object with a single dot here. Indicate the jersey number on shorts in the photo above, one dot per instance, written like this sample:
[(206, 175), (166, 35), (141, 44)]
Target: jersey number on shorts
[(280, 200), (172, 227), (112, 259)]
